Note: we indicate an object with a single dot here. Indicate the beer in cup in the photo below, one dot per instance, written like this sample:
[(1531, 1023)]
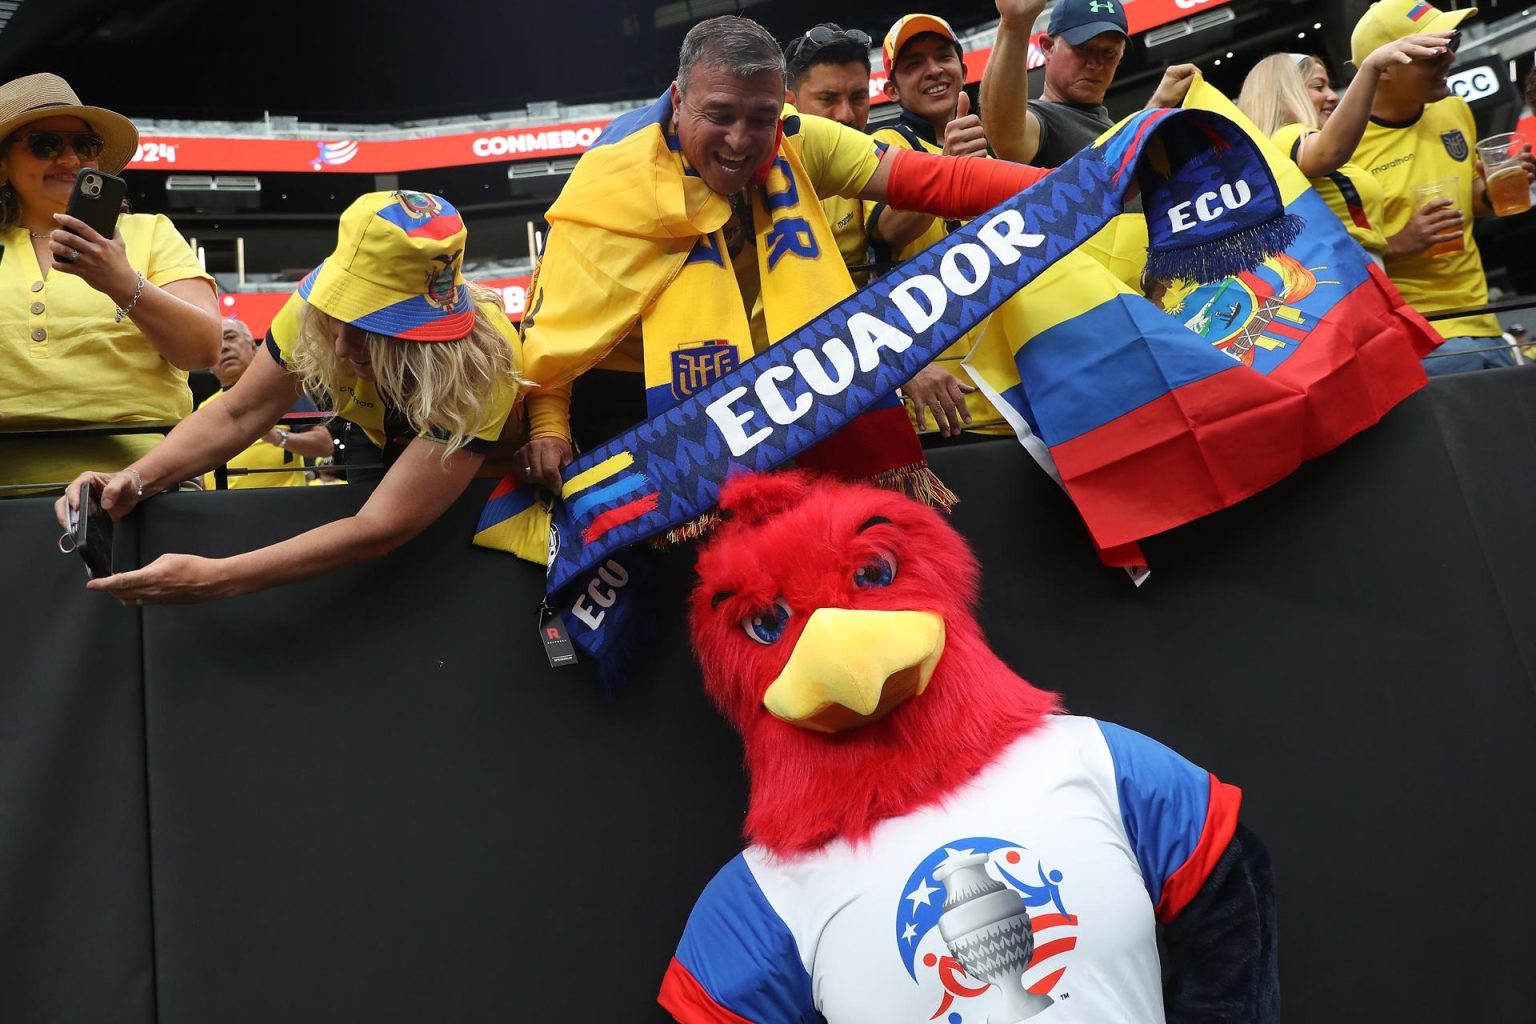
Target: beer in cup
[(1441, 188), (1509, 189)]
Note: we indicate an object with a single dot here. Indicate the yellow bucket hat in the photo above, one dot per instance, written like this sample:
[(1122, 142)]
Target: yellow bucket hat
[(397, 269)]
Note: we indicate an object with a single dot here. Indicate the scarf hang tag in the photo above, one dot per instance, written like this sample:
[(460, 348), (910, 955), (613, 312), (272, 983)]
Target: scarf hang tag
[(557, 642)]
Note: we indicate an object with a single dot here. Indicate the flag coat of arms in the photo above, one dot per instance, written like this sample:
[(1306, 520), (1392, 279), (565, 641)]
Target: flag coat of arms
[(1150, 417)]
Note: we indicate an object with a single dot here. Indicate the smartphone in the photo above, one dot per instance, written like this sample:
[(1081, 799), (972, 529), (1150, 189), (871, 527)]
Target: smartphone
[(91, 528), (97, 199)]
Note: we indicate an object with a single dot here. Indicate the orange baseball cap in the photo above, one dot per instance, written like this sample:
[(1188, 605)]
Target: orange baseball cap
[(911, 25)]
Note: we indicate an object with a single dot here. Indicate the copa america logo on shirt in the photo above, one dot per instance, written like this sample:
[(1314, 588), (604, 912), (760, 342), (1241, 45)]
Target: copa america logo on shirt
[(334, 153), (984, 915)]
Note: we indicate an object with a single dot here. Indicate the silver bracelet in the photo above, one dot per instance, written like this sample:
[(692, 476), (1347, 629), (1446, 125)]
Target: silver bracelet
[(138, 481), (138, 290)]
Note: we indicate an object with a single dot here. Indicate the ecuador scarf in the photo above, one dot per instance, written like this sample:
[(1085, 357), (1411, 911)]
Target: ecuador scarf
[(669, 469), (1150, 419)]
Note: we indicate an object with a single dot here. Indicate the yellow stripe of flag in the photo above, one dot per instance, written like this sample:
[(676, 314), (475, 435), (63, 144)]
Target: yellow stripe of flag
[(598, 473)]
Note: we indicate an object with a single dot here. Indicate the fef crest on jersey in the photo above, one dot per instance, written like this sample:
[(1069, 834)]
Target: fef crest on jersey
[(982, 924), (1455, 144)]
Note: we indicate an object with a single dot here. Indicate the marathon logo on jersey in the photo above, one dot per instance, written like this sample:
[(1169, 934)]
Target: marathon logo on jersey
[(1455, 144), (697, 365), (982, 924)]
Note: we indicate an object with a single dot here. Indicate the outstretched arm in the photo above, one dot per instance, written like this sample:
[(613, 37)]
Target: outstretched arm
[(1012, 129), (1326, 151), (946, 187), (416, 490)]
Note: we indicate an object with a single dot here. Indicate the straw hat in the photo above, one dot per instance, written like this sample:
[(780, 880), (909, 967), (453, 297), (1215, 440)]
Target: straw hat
[(35, 97)]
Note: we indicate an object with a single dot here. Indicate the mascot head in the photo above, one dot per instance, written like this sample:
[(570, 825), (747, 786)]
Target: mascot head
[(834, 625)]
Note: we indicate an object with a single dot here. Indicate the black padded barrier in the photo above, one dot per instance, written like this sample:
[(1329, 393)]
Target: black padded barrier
[(75, 923), (369, 799)]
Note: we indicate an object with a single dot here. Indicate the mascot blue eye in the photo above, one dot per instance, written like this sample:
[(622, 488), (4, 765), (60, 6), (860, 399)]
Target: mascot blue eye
[(767, 625), (879, 571)]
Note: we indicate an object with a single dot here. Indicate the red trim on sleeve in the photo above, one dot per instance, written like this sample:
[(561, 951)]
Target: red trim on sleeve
[(953, 187), (1220, 822), (687, 1001)]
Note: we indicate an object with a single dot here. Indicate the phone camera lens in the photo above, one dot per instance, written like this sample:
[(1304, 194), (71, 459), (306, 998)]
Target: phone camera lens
[(91, 186)]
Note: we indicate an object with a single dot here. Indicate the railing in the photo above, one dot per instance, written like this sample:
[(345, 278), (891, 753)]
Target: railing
[(221, 474)]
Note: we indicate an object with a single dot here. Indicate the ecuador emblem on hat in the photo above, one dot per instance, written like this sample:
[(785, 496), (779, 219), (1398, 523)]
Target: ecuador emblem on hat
[(397, 269)]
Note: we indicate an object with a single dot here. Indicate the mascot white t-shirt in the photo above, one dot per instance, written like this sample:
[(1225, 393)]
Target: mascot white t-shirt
[(1032, 892)]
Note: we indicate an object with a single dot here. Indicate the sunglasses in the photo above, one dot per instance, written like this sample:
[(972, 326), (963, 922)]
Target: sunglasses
[(821, 36), (1454, 43), (50, 145)]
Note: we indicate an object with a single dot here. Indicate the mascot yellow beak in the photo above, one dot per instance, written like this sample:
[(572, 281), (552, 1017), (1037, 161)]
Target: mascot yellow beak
[(853, 666)]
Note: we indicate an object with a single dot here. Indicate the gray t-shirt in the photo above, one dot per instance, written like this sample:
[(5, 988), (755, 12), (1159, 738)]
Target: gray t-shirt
[(1066, 129)]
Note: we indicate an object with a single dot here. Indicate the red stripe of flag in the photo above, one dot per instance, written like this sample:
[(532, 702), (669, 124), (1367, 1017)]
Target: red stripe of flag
[(438, 227), (507, 485), (1183, 455), (1419, 11), (1286, 329), (619, 516)]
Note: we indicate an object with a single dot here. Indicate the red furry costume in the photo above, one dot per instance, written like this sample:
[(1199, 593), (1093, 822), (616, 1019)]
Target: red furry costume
[(899, 768)]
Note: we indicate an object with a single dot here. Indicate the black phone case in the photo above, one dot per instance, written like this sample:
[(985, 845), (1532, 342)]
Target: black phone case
[(93, 537), (97, 199)]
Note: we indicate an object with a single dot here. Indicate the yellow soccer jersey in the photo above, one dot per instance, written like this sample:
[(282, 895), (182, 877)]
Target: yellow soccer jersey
[(846, 218), (1351, 192), (1436, 144), (358, 400), (260, 456), (985, 419)]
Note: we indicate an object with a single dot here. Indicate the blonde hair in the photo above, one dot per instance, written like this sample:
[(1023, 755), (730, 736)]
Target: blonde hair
[(1275, 93), (445, 387)]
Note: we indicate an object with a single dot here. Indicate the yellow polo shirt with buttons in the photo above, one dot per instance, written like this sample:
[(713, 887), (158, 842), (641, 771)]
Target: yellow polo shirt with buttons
[(65, 360)]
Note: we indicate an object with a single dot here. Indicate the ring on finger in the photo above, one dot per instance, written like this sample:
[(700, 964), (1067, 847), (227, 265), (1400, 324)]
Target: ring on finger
[(73, 254)]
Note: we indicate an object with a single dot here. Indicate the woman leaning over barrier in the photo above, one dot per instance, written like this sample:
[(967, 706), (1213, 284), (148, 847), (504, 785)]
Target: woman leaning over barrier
[(404, 347)]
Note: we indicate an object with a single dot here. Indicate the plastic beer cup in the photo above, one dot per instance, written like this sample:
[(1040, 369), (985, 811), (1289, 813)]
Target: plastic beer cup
[(1429, 192), (1509, 189)]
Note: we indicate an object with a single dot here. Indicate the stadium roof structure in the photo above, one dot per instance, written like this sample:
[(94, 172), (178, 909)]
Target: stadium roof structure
[(375, 61)]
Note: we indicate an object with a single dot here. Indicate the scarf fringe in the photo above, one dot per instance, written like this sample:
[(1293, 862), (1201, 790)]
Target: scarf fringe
[(1227, 256), (696, 528), (919, 482)]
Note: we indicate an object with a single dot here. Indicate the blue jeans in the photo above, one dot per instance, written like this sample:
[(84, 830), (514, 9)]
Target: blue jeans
[(1457, 355)]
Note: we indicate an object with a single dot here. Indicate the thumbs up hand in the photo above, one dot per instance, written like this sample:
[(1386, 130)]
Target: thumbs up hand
[(963, 136)]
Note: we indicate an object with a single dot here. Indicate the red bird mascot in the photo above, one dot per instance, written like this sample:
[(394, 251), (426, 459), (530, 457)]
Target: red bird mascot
[(931, 838)]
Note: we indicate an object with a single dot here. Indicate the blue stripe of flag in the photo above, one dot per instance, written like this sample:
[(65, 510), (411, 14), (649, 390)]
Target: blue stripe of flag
[(500, 509), (620, 488)]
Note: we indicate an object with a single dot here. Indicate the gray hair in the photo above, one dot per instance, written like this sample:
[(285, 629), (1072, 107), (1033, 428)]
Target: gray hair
[(739, 45)]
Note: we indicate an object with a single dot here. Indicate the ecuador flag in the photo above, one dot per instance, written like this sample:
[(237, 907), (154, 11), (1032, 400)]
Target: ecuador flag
[(1151, 417)]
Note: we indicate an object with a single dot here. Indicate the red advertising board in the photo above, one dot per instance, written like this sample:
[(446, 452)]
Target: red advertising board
[(1141, 15), (204, 153), (257, 309)]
